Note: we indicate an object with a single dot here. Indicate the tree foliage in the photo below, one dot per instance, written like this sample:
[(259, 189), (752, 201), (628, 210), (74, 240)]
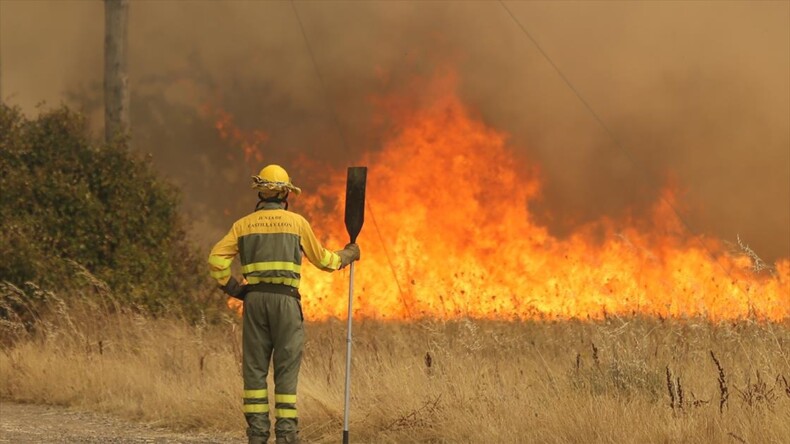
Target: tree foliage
[(66, 198)]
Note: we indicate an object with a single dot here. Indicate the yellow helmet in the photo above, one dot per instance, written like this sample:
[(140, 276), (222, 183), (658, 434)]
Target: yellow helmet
[(274, 178)]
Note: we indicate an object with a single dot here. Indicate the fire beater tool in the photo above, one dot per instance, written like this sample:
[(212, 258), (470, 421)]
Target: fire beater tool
[(355, 217)]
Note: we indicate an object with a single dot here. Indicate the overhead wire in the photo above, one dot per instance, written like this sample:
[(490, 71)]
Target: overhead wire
[(616, 140), (344, 140)]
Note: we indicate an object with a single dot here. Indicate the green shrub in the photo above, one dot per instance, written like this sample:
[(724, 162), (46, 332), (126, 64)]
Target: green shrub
[(66, 198)]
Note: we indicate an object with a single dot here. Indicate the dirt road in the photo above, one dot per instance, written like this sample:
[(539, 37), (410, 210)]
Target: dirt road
[(29, 423)]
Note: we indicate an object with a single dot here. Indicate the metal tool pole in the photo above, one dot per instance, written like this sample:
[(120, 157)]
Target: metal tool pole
[(355, 217), (348, 356)]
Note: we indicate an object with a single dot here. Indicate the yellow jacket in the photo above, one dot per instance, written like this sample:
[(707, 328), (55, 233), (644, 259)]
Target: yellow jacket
[(270, 243)]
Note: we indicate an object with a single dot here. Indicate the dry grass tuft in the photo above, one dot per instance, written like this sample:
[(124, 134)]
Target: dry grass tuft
[(724, 391)]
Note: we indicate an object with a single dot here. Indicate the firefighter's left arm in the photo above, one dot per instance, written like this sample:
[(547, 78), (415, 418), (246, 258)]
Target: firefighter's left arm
[(221, 257)]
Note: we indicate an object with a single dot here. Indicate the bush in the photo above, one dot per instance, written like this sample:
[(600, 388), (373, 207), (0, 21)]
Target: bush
[(67, 199)]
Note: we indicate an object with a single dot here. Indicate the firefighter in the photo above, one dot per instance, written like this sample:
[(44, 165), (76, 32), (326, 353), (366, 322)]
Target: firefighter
[(270, 243)]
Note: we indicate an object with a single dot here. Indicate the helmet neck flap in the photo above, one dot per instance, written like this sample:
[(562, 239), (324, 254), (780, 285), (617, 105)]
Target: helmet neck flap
[(281, 199)]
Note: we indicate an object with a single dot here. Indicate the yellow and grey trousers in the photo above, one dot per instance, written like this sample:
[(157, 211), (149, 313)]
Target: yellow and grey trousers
[(272, 331)]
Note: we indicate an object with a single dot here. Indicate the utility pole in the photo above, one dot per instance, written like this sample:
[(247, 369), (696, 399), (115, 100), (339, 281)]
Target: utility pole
[(2, 99), (116, 79)]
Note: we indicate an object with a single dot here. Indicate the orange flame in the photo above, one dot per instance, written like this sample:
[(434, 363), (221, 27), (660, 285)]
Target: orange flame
[(449, 233), (250, 142)]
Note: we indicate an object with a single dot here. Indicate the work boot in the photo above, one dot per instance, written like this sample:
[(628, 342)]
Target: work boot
[(291, 438), (257, 440)]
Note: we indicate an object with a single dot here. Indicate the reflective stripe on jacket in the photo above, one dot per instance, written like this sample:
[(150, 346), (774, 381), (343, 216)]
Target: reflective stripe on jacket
[(270, 243)]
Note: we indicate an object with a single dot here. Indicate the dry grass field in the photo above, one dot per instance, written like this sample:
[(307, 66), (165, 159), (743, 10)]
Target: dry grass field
[(617, 380)]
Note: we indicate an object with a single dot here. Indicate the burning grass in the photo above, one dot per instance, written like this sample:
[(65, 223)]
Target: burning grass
[(455, 234), (615, 380)]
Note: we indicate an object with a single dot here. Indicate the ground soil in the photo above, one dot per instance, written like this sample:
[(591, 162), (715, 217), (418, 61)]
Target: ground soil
[(31, 423)]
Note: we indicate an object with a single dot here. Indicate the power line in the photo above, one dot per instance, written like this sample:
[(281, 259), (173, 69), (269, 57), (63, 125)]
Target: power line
[(324, 89), (613, 137), (389, 261), (344, 140)]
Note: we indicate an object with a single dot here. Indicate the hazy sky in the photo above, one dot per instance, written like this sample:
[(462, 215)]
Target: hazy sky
[(696, 90)]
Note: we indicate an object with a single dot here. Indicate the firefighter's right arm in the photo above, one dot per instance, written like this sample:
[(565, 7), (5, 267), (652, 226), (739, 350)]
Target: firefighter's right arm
[(321, 257)]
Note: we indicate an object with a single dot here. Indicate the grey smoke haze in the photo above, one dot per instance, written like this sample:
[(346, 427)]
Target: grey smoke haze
[(700, 90)]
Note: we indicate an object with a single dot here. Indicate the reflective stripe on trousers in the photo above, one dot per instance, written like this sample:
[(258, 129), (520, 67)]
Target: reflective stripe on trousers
[(256, 401)]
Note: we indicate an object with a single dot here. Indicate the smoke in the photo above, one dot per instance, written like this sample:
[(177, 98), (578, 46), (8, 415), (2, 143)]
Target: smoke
[(695, 93)]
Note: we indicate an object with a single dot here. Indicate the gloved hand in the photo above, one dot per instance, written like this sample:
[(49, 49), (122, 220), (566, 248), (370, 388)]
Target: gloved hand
[(348, 255), (233, 289)]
